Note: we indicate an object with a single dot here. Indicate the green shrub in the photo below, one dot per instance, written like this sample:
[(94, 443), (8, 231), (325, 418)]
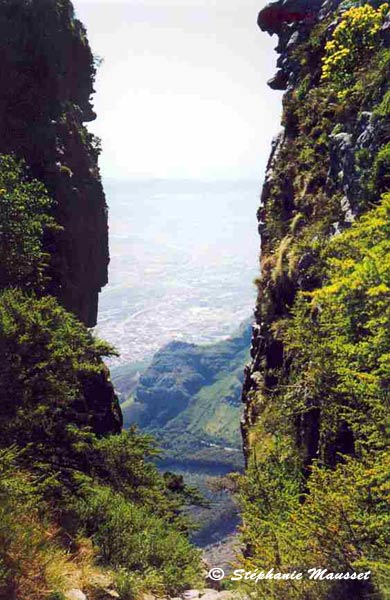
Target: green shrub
[(45, 352), (105, 487), (27, 541), (381, 171), (353, 41), (337, 347), (138, 540), (24, 219), (383, 110), (341, 524), (303, 88)]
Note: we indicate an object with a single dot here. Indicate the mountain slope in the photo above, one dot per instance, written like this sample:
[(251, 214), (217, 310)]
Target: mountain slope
[(190, 398)]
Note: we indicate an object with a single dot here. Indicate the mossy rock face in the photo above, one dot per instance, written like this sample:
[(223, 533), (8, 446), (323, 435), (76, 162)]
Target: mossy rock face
[(316, 371)]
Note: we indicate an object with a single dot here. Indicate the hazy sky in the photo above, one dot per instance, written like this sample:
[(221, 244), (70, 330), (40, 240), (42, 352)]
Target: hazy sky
[(182, 90)]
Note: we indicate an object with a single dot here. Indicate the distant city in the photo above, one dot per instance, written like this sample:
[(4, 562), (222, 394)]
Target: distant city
[(183, 259)]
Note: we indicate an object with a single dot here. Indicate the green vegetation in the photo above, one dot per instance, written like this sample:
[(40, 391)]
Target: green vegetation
[(199, 388), (88, 486), (355, 38), (46, 355), (190, 398), (381, 170), (79, 500), (316, 488), (337, 344), (116, 506), (347, 322), (25, 218)]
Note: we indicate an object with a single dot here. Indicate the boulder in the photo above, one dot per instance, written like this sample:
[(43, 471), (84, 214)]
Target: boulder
[(75, 595), (191, 594)]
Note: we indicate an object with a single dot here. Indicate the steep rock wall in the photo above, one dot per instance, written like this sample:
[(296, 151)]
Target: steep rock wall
[(316, 389), (315, 186), (292, 21), (46, 81)]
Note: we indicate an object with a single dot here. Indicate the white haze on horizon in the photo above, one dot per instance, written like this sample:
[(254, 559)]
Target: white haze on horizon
[(181, 92), (181, 99)]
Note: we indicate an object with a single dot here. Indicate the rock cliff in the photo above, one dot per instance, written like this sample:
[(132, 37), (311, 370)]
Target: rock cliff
[(306, 406), (318, 164), (46, 82)]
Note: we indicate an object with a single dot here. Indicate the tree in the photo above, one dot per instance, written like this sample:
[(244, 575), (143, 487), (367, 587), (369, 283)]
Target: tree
[(24, 219)]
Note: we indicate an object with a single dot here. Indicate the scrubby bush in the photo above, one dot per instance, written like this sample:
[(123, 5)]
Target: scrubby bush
[(32, 564), (327, 508), (340, 523), (24, 218), (353, 41), (134, 538), (45, 351), (106, 487), (381, 171)]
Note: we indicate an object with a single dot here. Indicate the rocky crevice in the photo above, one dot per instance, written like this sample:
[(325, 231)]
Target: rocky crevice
[(338, 183)]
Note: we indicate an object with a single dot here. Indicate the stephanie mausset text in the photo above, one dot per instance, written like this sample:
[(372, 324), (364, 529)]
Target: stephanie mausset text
[(315, 573)]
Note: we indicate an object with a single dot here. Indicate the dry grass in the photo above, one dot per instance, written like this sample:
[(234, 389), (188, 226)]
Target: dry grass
[(41, 567), (281, 258)]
